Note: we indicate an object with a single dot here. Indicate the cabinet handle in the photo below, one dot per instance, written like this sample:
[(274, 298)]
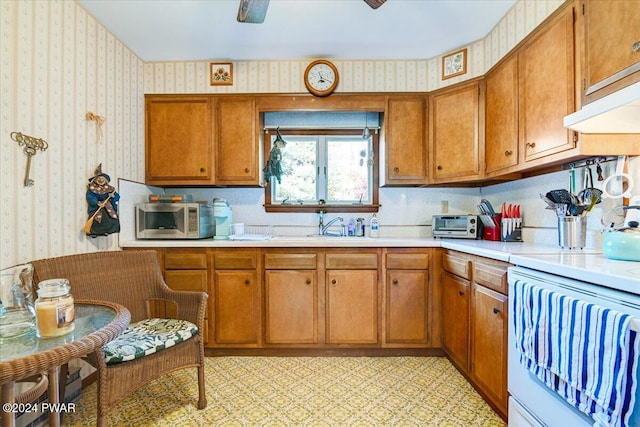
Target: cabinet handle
[(308, 281), (496, 310), (202, 169), (394, 281), (396, 169), (508, 153), (334, 281), (636, 46), (247, 282), (531, 145), (246, 170), (461, 293), (439, 167)]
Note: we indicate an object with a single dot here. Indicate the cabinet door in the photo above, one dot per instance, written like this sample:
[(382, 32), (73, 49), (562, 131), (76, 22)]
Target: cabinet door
[(352, 306), (455, 133), (406, 141), (612, 29), (178, 147), (235, 307), (236, 142), (455, 319), (501, 117), (546, 74), (291, 306), (489, 344), (406, 318)]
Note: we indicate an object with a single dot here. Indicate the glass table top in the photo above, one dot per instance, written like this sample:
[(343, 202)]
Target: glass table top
[(89, 318)]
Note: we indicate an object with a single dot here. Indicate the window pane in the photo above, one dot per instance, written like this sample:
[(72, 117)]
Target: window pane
[(349, 170), (299, 166)]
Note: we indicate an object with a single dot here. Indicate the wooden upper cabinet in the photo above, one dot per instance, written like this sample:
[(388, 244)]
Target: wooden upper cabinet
[(406, 140), (178, 141), (236, 141), (456, 135), (501, 115), (546, 89), (611, 46)]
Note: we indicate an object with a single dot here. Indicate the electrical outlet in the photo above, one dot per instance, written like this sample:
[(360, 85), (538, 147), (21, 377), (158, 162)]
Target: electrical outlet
[(444, 206)]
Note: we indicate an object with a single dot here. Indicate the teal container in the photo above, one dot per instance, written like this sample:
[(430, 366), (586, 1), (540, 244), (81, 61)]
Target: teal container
[(622, 245)]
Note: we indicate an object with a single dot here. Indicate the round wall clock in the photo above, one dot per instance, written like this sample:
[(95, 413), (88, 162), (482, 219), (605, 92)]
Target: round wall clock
[(321, 77)]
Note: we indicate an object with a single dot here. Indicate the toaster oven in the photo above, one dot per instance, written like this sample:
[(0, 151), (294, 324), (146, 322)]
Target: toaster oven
[(457, 226)]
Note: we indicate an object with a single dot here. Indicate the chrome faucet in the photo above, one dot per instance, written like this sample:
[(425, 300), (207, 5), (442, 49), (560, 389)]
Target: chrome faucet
[(322, 227)]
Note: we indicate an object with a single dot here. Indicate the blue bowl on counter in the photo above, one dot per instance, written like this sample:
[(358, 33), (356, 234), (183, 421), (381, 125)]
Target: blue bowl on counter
[(623, 244)]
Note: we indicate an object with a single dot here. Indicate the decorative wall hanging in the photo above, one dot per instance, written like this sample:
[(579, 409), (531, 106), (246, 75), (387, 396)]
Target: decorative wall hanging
[(99, 121), (103, 206), (454, 64), (31, 147), (221, 73), (273, 168)]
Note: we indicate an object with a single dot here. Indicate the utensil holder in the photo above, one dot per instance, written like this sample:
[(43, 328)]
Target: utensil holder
[(572, 232), (493, 233)]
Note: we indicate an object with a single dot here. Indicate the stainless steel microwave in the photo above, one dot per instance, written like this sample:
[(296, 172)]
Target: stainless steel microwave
[(174, 221), (458, 226)]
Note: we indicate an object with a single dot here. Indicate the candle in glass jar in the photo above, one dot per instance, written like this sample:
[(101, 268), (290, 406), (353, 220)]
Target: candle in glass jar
[(54, 308)]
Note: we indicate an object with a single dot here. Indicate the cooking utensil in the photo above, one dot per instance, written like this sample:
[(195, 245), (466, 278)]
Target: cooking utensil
[(599, 171), (561, 196), (589, 192), (613, 218), (550, 204), (625, 179), (488, 207)]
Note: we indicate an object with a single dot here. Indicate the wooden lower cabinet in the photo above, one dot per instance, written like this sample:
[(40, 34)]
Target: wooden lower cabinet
[(474, 309), (291, 307), (489, 343), (407, 298), (352, 307), (236, 299), (455, 319), (185, 270)]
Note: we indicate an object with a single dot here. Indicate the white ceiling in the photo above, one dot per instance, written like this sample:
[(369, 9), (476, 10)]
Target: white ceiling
[(183, 30)]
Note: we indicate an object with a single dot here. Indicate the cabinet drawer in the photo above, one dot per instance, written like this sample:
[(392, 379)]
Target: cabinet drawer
[(456, 265), (493, 276), (351, 261), (290, 261), (408, 261), (231, 261), (185, 261), (187, 280)]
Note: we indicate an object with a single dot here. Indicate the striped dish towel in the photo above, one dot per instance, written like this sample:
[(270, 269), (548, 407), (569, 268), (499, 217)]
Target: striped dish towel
[(586, 353)]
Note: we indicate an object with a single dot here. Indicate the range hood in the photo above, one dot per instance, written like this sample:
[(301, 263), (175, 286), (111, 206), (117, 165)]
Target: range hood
[(618, 112)]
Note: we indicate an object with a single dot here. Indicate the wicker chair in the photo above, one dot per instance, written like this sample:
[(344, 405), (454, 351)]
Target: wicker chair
[(133, 279)]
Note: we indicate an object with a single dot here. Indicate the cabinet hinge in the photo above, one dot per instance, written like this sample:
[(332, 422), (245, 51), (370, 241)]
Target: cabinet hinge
[(575, 137), (584, 84)]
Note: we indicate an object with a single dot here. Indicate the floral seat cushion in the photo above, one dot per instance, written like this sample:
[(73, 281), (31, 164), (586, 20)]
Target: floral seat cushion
[(147, 337)]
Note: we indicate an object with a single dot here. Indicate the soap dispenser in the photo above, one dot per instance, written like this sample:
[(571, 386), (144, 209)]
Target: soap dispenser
[(374, 228)]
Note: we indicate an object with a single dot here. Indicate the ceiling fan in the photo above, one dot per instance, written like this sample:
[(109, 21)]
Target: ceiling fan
[(254, 11)]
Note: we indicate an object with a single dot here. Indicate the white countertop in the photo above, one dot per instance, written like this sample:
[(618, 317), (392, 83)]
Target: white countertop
[(586, 265)]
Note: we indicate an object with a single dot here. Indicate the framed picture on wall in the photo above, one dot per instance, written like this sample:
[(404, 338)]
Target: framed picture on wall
[(454, 64), (221, 73)]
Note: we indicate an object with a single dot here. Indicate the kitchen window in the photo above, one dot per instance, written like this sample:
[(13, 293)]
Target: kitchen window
[(330, 169)]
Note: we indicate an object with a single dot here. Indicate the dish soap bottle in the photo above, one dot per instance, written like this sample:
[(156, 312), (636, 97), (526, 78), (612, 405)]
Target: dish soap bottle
[(374, 229)]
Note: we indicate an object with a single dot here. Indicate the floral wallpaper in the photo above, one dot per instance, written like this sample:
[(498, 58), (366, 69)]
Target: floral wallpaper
[(57, 63)]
